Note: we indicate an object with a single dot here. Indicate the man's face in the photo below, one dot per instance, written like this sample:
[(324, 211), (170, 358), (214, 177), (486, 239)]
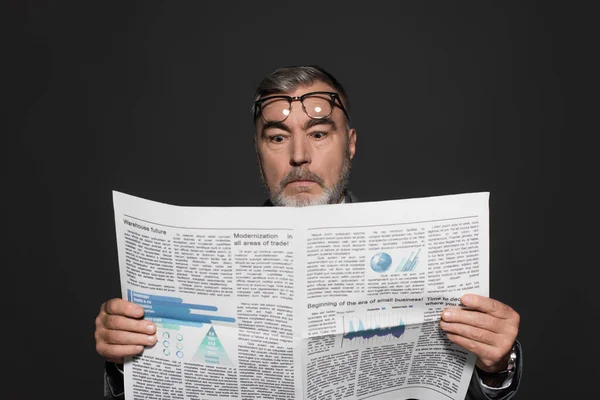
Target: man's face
[(305, 161)]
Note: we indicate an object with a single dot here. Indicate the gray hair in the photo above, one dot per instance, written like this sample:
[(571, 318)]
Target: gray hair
[(286, 79)]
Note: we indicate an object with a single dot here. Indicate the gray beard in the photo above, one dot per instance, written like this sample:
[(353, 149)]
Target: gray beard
[(331, 194)]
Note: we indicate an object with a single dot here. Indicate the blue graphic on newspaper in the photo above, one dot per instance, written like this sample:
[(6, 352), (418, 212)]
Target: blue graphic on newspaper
[(187, 331), (172, 310)]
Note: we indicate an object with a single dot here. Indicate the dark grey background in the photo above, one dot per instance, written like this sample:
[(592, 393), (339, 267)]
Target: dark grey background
[(153, 99)]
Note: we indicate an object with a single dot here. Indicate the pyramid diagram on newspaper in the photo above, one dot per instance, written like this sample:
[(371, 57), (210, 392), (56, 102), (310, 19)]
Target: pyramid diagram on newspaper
[(211, 350)]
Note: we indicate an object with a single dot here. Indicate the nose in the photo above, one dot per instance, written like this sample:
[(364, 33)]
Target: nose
[(300, 151)]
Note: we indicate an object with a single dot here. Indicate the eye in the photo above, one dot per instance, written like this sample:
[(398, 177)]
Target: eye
[(276, 139), (318, 135)]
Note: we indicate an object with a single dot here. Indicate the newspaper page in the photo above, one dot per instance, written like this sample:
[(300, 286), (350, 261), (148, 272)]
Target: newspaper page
[(323, 302)]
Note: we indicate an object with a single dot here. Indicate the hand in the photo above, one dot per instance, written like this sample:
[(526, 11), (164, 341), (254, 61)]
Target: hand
[(487, 328), (121, 332)]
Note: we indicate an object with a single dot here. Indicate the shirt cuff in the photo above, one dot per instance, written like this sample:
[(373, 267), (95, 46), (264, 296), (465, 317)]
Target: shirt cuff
[(489, 389)]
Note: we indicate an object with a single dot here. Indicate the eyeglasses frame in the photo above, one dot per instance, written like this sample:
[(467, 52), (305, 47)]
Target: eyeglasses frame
[(333, 97)]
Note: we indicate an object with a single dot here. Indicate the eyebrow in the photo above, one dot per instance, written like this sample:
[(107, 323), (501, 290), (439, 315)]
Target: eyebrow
[(278, 125), (322, 121), (309, 124)]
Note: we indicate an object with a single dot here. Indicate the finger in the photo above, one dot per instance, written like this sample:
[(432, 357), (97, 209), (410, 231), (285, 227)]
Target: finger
[(481, 350), (472, 318), (120, 323), (487, 305), (117, 353), (491, 348), (113, 337), (123, 307), (470, 332)]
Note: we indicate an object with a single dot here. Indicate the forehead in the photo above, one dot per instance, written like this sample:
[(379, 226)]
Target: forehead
[(314, 87)]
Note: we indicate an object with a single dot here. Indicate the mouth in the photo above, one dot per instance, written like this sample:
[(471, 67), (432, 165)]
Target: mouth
[(302, 182)]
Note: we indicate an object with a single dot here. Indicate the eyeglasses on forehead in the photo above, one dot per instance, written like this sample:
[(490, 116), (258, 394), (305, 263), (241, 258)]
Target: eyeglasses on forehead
[(316, 105)]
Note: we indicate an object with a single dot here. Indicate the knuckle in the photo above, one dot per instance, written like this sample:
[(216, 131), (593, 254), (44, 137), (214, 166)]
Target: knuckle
[(497, 354), (493, 355), (508, 344), (495, 305), (107, 306), (97, 337), (130, 308), (471, 345), (113, 337), (517, 319), (110, 353), (115, 322), (109, 322), (476, 334), (510, 312), (111, 306), (480, 320)]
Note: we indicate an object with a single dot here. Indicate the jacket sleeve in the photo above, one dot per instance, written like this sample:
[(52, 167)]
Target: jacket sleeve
[(477, 391), (114, 388)]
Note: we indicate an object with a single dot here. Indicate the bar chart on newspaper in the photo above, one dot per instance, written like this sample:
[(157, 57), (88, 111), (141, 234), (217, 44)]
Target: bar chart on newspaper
[(374, 327)]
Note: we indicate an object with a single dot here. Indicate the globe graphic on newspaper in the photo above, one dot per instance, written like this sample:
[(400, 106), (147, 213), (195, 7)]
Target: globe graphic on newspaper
[(381, 262)]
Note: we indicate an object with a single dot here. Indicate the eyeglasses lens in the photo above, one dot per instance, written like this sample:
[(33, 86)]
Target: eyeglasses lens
[(278, 109), (275, 109), (317, 106)]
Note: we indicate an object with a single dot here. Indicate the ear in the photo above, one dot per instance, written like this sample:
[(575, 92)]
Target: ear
[(352, 142)]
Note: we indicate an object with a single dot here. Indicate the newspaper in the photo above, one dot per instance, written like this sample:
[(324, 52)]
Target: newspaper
[(323, 302)]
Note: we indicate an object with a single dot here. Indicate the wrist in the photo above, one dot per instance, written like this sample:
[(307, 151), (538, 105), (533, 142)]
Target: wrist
[(497, 378)]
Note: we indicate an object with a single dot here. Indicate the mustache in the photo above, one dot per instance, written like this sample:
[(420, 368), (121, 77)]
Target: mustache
[(299, 174)]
